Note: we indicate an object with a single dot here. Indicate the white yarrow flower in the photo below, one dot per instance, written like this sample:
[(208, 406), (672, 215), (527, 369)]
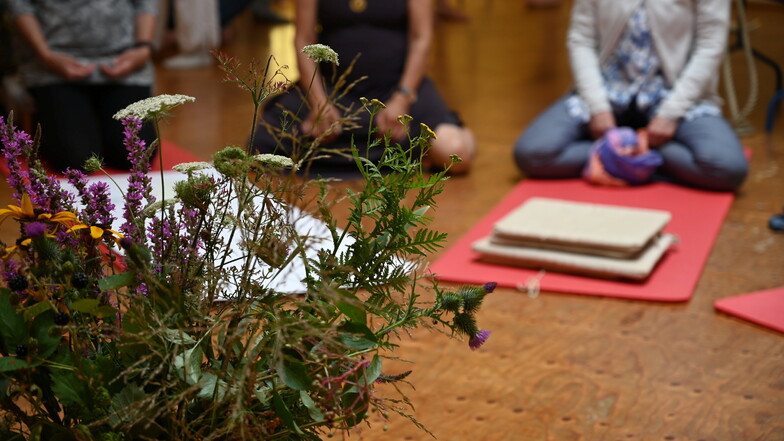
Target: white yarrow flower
[(320, 52), (276, 160), (153, 107), (188, 167)]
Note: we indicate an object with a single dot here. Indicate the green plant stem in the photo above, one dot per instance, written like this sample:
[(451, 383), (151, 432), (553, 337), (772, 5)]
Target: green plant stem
[(159, 140), (244, 197), (221, 221), (122, 192), (251, 261), (305, 426), (257, 94)]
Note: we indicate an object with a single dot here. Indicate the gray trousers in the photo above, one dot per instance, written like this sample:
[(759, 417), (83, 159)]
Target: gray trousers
[(704, 152)]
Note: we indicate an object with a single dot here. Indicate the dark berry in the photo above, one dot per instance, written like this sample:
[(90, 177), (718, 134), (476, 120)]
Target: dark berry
[(21, 350), (18, 282), (61, 318), (126, 243), (79, 280)]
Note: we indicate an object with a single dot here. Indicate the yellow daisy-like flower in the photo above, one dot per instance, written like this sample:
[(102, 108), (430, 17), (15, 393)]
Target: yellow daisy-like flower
[(25, 211), (98, 232), (25, 243), (22, 211)]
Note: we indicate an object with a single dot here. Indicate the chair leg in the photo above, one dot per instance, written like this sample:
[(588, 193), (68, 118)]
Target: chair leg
[(772, 107)]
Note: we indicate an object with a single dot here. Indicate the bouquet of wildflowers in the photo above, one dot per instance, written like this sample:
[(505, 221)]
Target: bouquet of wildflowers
[(109, 324)]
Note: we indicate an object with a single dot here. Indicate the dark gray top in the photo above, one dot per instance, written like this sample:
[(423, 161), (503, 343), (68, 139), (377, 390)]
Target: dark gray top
[(92, 31)]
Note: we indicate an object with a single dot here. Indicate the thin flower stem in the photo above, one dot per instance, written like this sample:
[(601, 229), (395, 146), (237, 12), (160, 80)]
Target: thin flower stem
[(258, 97), (119, 188), (156, 123)]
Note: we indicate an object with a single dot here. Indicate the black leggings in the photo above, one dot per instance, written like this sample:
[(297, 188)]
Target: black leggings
[(76, 123)]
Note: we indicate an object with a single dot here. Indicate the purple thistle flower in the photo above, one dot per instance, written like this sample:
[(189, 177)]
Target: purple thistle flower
[(490, 287), (35, 229), (479, 339)]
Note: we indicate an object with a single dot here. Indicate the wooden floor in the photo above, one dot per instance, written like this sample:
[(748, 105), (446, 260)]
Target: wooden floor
[(561, 367)]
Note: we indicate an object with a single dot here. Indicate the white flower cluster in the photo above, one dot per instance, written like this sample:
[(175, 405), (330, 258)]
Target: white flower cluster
[(276, 160), (188, 167), (153, 106), (321, 52)]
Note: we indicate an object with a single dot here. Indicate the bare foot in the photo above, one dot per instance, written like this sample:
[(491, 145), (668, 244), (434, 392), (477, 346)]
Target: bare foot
[(453, 140)]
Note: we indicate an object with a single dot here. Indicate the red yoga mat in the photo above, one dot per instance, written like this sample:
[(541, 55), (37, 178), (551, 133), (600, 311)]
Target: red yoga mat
[(172, 155), (696, 219), (764, 308)]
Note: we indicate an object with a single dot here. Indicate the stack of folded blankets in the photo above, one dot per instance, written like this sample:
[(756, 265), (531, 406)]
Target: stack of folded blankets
[(598, 240)]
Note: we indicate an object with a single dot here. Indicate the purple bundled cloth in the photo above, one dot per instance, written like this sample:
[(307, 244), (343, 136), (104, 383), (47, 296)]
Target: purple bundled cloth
[(623, 156)]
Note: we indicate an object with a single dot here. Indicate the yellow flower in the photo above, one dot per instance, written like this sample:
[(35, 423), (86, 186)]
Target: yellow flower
[(98, 232), (25, 211), (12, 248), (25, 243), (427, 132)]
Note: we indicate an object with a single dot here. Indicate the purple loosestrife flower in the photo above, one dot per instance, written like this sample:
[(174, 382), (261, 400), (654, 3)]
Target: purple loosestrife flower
[(189, 235), (99, 205), (14, 144), (162, 238), (8, 268), (95, 198), (67, 239), (59, 199), (479, 339), (139, 184), (78, 180), (35, 229), (44, 191), (37, 191)]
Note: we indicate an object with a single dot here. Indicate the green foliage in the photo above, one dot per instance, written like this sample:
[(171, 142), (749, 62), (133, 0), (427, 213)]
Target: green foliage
[(131, 345)]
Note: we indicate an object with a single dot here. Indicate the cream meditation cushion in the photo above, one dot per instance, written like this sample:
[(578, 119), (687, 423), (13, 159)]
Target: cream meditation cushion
[(576, 237), (580, 227)]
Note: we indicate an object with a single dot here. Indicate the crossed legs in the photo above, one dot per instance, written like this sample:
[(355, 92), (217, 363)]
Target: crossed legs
[(704, 152)]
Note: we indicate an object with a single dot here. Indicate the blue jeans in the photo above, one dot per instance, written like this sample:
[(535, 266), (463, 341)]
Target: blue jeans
[(704, 152)]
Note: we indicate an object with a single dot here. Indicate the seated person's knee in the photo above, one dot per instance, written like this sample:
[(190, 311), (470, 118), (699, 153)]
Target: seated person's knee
[(733, 175), (528, 154)]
